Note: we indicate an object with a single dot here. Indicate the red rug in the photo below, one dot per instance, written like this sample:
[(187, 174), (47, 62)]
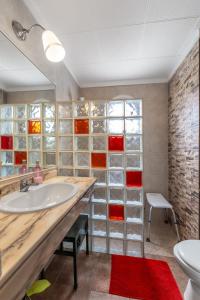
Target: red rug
[(142, 278)]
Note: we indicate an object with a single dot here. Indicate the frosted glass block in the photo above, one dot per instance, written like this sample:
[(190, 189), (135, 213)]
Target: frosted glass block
[(33, 156), (7, 112), (49, 158), (82, 143), (66, 159), (65, 126), (134, 161), (49, 127), (133, 108), (7, 157), (65, 110), (100, 194), (82, 159), (134, 214), (98, 109), (49, 142), (99, 244), (66, 143), (116, 178), (116, 126), (134, 232), (116, 108), (98, 228), (98, 126), (65, 172), (99, 143), (101, 176), (116, 230), (82, 173), (116, 160), (133, 126), (99, 211), (134, 248), (34, 111), (34, 142), (134, 143), (6, 127), (116, 195), (49, 111), (20, 127), (116, 246), (20, 142), (134, 197), (20, 112), (81, 109)]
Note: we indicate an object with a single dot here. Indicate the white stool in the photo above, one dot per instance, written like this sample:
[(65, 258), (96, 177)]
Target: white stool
[(156, 200)]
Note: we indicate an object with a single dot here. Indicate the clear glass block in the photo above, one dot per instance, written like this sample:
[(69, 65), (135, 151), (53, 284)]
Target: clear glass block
[(49, 142), (133, 126), (20, 142), (81, 109), (34, 142), (8, 170), (65, 110), (116, 246), (49, 127), (134, 248), (7, 112), (134, 161), (33, 156), (66, 143), (99, 211), (98, 228), (134, 232), (65, 126), (20, 112), (66, 159), (101, 176), (34, 111), (98, 109), (134, 214), (99, 244), (100, 194), (116, 108), (49, 111), (6, 127), (116, 230), (133, 108), (99, 143), (116, 178), (98, 126), (82, 173), (116, 126), (49, 158), (134, 197), (82, 143), (82, 159), (65, 172), (116, 195), (116, 160), (7, 157), (20, 127), (134, 143)]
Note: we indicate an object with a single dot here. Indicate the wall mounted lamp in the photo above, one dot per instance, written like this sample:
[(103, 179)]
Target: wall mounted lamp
[(53, 48)]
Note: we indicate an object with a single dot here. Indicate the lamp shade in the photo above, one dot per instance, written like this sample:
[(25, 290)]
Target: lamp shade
[(53, 48)]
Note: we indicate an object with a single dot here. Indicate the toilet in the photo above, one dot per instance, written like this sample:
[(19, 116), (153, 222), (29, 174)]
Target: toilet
[(187, 254)]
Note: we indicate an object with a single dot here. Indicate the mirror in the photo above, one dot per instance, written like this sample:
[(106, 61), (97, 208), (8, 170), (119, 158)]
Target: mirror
[(27, 114)]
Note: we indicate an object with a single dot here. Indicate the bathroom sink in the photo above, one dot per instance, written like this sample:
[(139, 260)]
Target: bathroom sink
[(38, 198)]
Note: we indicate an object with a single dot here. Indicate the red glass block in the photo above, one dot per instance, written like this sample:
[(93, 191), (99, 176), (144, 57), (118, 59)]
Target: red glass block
[(6, 142), (81, 126), (98, 160), (19, 156), (116, 212), (34, 127), (134, 178), (116, 143)]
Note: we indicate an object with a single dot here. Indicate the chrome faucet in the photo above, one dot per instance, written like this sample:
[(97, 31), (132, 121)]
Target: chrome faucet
[(24, 185)]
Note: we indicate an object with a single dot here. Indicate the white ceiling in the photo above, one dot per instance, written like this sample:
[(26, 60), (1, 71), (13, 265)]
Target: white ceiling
[(121, 41)]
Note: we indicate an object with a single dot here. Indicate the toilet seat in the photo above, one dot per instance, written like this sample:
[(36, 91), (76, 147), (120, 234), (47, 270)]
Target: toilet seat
[(189, 252)]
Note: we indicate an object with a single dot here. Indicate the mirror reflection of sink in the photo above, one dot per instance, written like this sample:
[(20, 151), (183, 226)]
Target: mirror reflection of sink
[(38, 198)]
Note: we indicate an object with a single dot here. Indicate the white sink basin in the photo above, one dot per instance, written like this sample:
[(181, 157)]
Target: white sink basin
[(38, 198)]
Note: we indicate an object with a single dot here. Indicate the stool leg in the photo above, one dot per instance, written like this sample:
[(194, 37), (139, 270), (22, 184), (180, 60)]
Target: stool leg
[(166, 216), (87, 239), (75, 263), (149, 225), (175, 224)]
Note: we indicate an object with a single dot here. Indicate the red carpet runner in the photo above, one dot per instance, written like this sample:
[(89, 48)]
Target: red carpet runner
[(142, 278)]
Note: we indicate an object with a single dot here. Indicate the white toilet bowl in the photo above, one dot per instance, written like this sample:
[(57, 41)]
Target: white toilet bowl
[(187, 254)]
